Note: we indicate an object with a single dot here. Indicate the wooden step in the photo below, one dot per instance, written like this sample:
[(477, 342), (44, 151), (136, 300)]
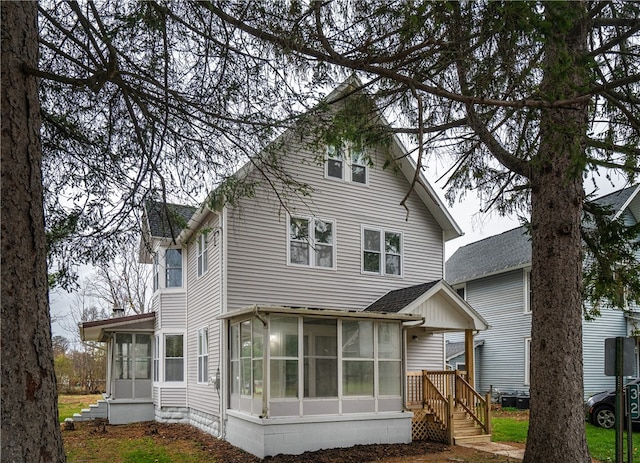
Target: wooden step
[(467, 431), (481, 438)]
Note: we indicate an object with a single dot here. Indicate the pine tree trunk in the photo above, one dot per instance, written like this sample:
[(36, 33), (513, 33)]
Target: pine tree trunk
[(557, 427), (30, 429)]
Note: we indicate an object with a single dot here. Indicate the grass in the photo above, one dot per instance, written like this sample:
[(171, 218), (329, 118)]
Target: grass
[(601, 442), (70, 404)]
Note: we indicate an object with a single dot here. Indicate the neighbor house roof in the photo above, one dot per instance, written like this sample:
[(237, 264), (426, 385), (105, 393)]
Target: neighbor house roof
[(454, 349), (511, 249)]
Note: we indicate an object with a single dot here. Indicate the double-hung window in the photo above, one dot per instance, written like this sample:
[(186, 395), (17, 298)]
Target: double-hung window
[(173, 358), (203, 254), (156, 270), (381, 251), (346, 161), (156, 359), (311, 242), (203, 355), (173, 264)]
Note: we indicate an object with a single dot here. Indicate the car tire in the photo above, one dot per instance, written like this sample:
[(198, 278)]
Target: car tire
[(604, 417)]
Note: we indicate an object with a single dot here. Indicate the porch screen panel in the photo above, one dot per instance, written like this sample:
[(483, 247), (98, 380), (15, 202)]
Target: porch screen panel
[(143, 356), (320, 357), (389, 359), (358, 360), (245, 357), (283, 345), (123, 356), (235, 359), (256, 356)]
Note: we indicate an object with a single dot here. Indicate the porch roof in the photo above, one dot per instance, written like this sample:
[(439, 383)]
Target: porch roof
[(98, 330), (438, 303), (256, 310)]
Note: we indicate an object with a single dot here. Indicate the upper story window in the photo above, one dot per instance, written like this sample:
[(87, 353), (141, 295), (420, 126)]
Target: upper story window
[(461, 290), (381, 251), (311, 242), (203, 254), (156, 270), (173, 265), (346, 162)]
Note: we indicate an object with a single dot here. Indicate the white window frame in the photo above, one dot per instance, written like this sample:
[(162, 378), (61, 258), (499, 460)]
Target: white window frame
[(164, 359), (203, 355), (346, 153), (203, 253), (462, 287), (156, 359), (167, 268), (382, 251), (156, 271), (527, 361), (311, 249), (527, 290)]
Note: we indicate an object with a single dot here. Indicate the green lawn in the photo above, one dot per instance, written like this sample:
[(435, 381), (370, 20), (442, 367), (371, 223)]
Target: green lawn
[(601, 441)]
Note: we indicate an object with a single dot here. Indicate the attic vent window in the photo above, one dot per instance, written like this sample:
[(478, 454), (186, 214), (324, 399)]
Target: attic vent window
[(346, 162)]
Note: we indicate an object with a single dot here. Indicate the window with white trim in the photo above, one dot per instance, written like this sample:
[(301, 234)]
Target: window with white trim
[(203, 253), (381, 251), (346, 161), (527, 290), (527, 361), (203, 355), (173, 357), (311, 242), (156, 359), (173, 267), (156, 272)]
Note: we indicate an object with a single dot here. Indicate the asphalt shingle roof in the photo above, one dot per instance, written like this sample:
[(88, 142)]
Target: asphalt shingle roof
[(163, 221), (509, 249), (396, 300)]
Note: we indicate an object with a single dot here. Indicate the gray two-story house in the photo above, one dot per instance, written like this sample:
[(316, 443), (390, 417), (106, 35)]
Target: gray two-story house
[(493, 275), (291, 327)]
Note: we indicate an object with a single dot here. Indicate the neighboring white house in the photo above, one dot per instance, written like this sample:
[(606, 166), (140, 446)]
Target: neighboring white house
[(287, 330), (493, 275)]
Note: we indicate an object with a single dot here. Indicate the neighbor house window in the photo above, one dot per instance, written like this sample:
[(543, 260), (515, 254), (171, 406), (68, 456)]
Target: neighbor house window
[(311, 242), (203, 355), (346, 161), (203, 254), (173, 357), (527, 290), (381, 251), (461, 291), (173, 264)]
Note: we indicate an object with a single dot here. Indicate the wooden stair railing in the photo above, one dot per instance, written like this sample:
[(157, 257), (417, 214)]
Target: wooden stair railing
[(442, 392)]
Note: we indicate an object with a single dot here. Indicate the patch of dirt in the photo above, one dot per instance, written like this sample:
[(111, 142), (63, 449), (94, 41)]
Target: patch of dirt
[(220, 451)]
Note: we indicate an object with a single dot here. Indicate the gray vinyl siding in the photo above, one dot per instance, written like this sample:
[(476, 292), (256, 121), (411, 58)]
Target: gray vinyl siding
[(500, 300), (257, 241), (173, 397), (173, 303), (425, 353), (204, 302), (610, 324)]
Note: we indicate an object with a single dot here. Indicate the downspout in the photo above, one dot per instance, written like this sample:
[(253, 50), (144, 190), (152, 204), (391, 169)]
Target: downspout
[(222, 362)]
